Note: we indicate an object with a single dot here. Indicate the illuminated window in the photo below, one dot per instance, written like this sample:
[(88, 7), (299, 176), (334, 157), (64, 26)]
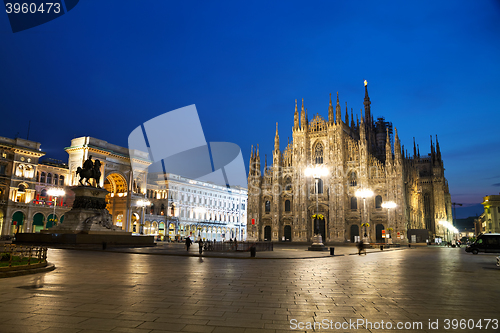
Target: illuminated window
[(353, 179), (354, 203), (318, 154)]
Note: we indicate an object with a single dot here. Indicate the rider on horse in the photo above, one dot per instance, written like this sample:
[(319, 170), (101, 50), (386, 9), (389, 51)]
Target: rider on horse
[(90, 170)]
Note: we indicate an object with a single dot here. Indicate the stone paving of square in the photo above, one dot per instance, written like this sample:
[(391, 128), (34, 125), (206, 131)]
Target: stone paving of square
[(102, 291)]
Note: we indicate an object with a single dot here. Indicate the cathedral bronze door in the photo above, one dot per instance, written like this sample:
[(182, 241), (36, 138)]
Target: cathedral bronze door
[(267, 233), (287, 232), (378, 233), (354, 232)]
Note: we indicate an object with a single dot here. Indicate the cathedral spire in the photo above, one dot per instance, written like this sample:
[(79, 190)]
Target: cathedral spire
[(388, 148), (346, 115), (414, 149), (438, 151), (352, 121), (362, 134), (338, 113), (367, 103), (418, 151), (330, 112), (296, 118), (433, 155), (303, 123), (397, 147), (276, 139)]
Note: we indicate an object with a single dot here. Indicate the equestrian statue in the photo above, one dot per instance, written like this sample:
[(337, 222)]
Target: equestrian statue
[(90, 170)]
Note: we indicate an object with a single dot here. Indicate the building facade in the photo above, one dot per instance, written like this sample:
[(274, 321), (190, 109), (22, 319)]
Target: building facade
[(182, 207), (489, 221), (178, 207), (357, 154), (25, 205)]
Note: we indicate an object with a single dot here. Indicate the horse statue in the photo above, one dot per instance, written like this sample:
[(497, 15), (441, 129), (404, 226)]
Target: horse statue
[(90, 170)]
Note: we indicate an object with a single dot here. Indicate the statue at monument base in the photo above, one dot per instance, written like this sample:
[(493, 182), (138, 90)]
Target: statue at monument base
[(88, 215)]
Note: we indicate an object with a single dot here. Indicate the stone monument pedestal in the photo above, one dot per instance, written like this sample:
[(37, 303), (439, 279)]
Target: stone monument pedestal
[(317, 244), (88, 222)]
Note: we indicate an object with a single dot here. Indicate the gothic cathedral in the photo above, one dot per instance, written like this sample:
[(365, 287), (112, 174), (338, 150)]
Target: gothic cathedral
[(285, 204)]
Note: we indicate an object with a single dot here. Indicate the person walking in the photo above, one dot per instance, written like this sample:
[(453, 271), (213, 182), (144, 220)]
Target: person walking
[(188, 243), (200, 245), (361, 247)]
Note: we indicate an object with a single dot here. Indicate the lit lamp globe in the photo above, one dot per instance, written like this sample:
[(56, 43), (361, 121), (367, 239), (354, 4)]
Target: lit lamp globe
[(389, 204), (364, 193), (316, 171), (56, 192)]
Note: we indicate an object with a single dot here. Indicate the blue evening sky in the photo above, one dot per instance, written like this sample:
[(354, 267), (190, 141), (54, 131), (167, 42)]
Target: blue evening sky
[(108, 66)]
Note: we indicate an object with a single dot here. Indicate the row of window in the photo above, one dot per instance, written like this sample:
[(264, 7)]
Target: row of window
[(354, 204), (41, 177), (352, 182)]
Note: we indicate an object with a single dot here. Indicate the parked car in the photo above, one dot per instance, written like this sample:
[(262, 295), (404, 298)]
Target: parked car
[(485, 243)]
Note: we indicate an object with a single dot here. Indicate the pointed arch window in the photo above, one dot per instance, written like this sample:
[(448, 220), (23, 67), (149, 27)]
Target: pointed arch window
[(354, 203), (320, 186), (378, 201), (287, 205), (268, 206), (288, 184), (318, 153), (353, 180)]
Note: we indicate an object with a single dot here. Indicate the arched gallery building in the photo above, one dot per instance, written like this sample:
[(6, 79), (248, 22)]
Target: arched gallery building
[(176, 207)]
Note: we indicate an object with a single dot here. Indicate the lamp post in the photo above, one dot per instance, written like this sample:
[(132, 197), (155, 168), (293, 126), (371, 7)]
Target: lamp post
[(388, 205), (364, 193), (316, 172), (449, 229), (143, 203), (55, 192), (199, 211)]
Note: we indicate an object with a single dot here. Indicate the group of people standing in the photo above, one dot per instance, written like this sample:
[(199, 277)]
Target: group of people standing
[(189, 242)]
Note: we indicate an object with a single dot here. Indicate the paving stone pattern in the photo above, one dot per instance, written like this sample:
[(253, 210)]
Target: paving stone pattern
[(95, 291)]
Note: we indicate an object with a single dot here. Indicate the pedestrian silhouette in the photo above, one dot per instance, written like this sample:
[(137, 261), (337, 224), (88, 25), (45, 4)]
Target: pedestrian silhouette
[(200, 245)]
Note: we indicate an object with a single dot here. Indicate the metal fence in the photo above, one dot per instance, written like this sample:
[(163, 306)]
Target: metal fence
[(16, 254), (236, 246)]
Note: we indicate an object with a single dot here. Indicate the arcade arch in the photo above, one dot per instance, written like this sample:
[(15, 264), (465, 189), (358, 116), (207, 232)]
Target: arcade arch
[(116, 200)]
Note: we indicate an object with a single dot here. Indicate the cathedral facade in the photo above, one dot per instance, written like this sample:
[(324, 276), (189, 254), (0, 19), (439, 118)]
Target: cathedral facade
[(285, 204)]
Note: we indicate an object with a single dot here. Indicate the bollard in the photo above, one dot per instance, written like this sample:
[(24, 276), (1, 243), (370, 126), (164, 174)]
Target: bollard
[(381, 248), (332, 251)]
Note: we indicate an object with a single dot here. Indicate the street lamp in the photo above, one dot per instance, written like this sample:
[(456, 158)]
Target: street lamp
[(316, 172), (389, 205), (55, 192), (199, 211), (143, 203), (364, 193), (449, 228)]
